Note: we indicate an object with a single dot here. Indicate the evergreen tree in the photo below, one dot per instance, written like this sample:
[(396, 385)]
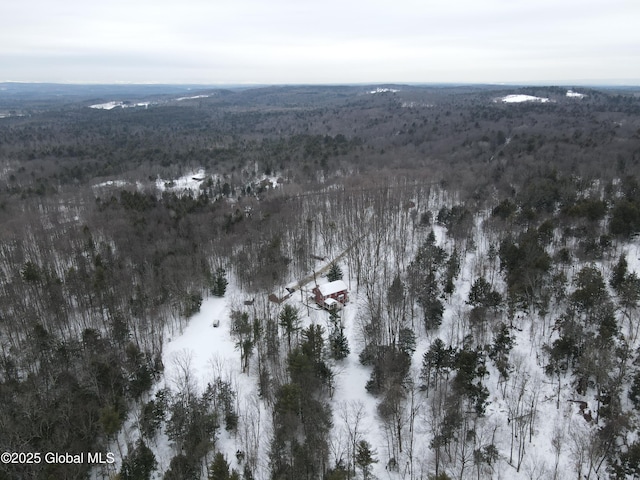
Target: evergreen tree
[(628, 465), (436, 362), (395, 294), (290, 322), (139, 463), (219, 468), (339, 344), (634, 391), (226, 401), (423, 281), (153, 414), (334, 273), (629, 291), (468, 379), (625, 218), (220, 283), (365, 458), (407, 341), (453, 269), (433, 310), (619, 273), (191, 304), (338, 473), (625, 284), (242, 329), (590, 289), (481, 295), (499, 352), (183, 467), (526, 264)]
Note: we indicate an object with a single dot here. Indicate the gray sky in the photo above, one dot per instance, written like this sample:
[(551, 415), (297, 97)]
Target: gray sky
[(328, 41)]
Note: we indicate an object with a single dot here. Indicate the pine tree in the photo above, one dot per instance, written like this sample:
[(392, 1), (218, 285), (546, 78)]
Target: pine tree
[(335, 272), (395, 294), (242, 330), (338, 473), (437, 362), (619, 274), (407, 341), (219, 468), (365, 458), (290, 322), (481, 295), (453, 269), (220, 283), (424, 283), (339, 344), (499, 350), (139, 463)]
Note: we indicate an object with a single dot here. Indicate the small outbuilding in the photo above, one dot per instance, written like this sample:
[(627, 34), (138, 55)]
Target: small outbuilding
[(331, 295)]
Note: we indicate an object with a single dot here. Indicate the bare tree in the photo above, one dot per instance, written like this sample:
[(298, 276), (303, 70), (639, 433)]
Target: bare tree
[(183, 379), (352, 413)]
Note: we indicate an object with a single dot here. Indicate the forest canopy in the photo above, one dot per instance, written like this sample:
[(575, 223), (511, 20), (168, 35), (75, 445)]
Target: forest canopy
[(468, 231)]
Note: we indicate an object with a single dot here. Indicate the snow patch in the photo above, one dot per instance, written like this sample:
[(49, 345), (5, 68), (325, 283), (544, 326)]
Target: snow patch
[(111, 183), (192, 98), (190, 182), (120, 104), (269, 181), (416, 105), (520, 98), (572, 94), (383, 90)]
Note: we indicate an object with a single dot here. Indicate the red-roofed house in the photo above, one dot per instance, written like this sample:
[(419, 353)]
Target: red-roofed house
[(331, 295)]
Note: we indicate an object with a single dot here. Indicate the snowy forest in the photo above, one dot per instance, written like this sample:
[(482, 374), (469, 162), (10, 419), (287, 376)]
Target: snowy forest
[(161, 254)]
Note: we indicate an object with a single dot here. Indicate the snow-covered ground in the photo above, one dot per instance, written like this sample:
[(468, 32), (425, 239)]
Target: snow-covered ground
[(383, 90), (189, 182), (520, 98), (192, 183), (209, 353), (111, 183), (180, 99), (120, 104), (572, 94), (559, 433)]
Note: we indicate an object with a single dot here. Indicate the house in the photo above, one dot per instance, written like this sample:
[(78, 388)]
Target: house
[(331, 295)]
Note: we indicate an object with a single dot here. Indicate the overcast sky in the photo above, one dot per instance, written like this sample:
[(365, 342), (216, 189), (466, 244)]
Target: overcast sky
[(320, 41)]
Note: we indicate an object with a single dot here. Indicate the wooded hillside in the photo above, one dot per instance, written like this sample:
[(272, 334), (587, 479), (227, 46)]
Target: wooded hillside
[(490, 250)]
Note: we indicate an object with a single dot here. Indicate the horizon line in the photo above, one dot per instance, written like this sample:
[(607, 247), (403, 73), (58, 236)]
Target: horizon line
[(582, 83)]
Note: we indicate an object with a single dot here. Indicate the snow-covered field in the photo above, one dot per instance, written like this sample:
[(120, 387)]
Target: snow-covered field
[(180, 99), (383, 90), (189, 182), (572, 94), (520, 98), (118, 104), (111, 183)]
